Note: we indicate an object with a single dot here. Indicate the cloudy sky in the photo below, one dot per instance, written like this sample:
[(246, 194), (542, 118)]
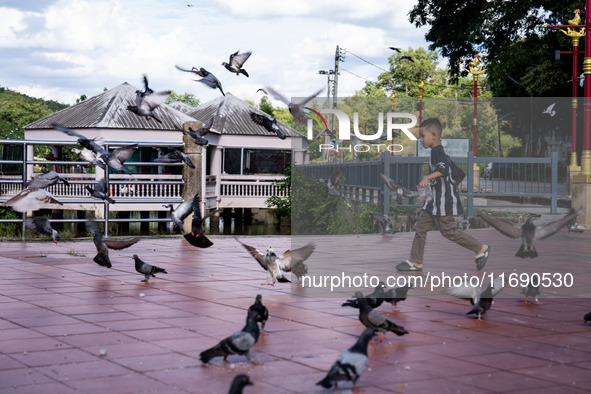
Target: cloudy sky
[(61, 49)]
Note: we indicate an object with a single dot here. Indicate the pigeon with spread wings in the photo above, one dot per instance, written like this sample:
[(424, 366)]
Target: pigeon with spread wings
[(528, 232), (295, 109), (31, 199), (89, 156), (87, 143), (291, 261), (197, 236), (46, 179), (147, 101), (237, 60), (269, 123), (480, 299), (182, 211), (174, 156), (199, 135), (42, 226), (207, 78), (100, 191), (119, 156), (103, 246)]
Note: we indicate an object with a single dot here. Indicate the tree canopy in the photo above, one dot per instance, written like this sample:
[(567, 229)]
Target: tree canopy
[(509, 37)]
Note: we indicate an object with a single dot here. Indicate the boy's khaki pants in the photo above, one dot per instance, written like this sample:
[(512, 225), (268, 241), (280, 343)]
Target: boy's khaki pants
[(447, 227)]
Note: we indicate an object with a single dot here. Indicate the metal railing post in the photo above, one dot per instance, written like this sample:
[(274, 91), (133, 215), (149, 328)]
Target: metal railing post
[(554, 187), (470, 184), (105, 203), (386, 164)]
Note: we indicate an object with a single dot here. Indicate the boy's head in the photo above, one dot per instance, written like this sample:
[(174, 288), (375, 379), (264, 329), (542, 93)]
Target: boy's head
[(430, 132)]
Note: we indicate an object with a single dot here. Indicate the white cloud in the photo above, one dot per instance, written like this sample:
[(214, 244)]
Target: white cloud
[(74, 47)]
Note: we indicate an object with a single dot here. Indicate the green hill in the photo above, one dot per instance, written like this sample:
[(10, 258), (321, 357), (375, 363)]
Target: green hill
[(17, 110)]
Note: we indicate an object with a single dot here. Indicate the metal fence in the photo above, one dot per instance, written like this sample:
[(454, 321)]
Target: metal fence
[(126, 189), (506, 177)]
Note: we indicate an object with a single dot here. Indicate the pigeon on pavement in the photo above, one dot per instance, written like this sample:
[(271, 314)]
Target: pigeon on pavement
[(41, 225), (103, 246), (240, 381), (528, 232), (146, 269), (385, 223), (147, 101), (531, 291), (274, 264), (351, 363), (480, 299), (262, 311), (236, 62), (374, 319), (100, 191), (394, 296), (375, 299), (587, 317), (174, 156), (197, 236), (238, 343)]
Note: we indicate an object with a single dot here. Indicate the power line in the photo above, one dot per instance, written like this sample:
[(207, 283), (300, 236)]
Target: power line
[(358, 76), (367, 61)]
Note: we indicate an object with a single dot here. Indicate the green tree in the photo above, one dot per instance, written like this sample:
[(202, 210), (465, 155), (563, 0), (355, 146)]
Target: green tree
[(187, 98)]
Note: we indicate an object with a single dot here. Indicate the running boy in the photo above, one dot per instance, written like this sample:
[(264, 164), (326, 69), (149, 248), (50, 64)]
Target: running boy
[(442, 204)]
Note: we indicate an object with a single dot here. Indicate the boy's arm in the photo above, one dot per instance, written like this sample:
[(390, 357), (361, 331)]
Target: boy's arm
[(425, 181)]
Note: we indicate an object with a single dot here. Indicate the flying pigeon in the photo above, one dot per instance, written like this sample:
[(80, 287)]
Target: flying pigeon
[(238, 343), (120, 156), (100, 191), (147, 101), (480, 299), (295, 110), (236, 62), (550, 110), (207, 78), (42, 226), (102, 246), (262, 311), (199, 135), (351, 363), (374, 319), (333, 183), (395, 49), (385, 223), (269, 123), (398, 188), (87, 143), (146, 269), (262, 90), (178, 215), (174, 156), (407, 58), (89, 156), (197, 237), (587, 317), (528, 231), (238, 383), (531, 291), (291, 261), (46, 179), (394, 296), (31, 199), (375, 299)]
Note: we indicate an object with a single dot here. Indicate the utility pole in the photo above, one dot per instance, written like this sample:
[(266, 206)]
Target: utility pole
[(337, 56)]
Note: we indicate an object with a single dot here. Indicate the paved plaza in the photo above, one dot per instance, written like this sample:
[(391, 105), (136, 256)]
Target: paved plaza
[(70, 326)]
